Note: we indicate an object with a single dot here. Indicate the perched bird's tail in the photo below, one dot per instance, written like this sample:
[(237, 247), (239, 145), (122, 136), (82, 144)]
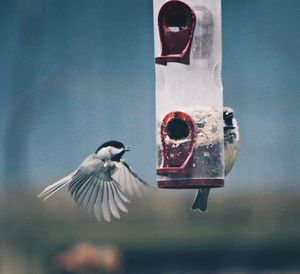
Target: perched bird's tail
[(200, 202), (50, 190)]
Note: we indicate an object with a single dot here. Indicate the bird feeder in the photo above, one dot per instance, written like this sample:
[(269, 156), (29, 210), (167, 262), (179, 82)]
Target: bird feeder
[(189, 98)]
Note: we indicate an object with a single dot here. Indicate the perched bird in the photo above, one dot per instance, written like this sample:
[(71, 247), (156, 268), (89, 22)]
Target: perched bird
[(101, 182), (231, 146)]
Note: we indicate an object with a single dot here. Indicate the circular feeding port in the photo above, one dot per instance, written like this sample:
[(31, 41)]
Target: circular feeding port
[(177, 129)]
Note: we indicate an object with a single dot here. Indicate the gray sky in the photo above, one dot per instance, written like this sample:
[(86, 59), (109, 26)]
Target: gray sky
[(77, 73)]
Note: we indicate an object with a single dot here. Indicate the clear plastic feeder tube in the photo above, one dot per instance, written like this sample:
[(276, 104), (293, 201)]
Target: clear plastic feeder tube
[(189, 94)]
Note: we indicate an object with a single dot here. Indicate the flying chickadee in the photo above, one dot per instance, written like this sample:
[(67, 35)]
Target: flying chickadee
[(100, 182), (231, 146)]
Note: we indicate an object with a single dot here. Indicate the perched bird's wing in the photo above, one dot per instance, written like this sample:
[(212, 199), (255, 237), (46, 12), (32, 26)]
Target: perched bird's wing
[(230, 153), (50, 190), (200, 202), (128, 180)]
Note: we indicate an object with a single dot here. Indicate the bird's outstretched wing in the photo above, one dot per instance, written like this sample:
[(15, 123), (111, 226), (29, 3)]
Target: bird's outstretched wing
[(98, 193), (92, 188), (128, 180)]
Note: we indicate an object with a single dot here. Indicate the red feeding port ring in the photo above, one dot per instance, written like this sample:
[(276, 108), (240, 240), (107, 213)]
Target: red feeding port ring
[(178, 137), (176, 22)]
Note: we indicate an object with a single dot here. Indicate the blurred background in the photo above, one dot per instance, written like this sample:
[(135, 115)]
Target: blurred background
[(74, 74)]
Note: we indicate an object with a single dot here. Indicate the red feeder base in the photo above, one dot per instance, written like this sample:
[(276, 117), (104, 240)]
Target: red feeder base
[(191, 183)]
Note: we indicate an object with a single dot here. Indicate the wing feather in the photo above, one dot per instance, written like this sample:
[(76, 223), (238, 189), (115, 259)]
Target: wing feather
[(119, 198), (136, 188), (77, 182), (111, 201), (84, 196), (93, 198), (128, 180), (105, 208), (97, 210)]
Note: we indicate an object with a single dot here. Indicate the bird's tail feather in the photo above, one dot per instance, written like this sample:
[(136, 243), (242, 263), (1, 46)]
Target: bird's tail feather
[(50, 190), (201, 198)]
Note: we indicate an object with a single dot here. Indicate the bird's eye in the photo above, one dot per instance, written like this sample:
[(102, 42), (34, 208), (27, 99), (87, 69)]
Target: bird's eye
[(228, 114), (228, 117)]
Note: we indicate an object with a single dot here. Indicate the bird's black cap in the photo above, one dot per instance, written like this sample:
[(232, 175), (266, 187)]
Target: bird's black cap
[(115, 144)]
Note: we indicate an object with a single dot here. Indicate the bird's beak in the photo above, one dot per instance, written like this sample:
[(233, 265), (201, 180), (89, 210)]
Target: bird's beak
[(127, 149)]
